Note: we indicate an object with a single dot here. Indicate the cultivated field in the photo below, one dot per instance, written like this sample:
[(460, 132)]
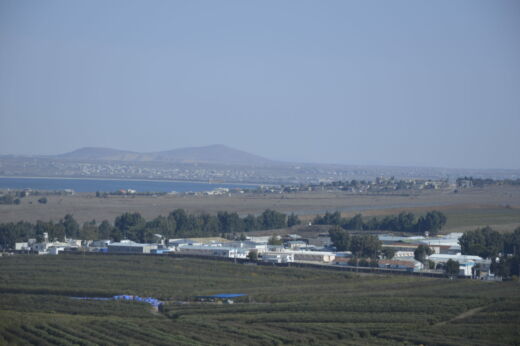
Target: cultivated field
[(284, 305), (496, 206)]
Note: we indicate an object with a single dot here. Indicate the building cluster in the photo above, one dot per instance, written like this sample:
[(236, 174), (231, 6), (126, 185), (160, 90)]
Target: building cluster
[(278, 173), (444, 248), (292, 249)]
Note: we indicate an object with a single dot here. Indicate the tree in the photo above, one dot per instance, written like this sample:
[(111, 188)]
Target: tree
[(104, 230), (484, 242), (7, 236), (271, 219), (339, 238), (275, 240), (432, 222), (229, 222), (250, 223), (365, 245), (89, 231), (71, 226), (388, 252), (452, 267), (293, 220), (42, 200), (128, 224), (180, 218), (353, 261), (363, 262), (356, 223), (422, 252), (512, 242), (405, 222), (253, 255)]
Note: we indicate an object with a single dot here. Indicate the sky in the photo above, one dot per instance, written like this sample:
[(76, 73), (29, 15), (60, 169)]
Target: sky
[(419, 83)]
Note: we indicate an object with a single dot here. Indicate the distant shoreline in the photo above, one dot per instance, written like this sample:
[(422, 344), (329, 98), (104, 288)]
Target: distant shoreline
[(132, 179)]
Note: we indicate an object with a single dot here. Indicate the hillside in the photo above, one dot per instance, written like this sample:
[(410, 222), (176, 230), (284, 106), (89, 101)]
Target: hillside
[(220, 154)]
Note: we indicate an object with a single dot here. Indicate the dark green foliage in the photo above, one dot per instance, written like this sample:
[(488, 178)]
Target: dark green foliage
[(71, 226), (271, 219), (42, 200), (134, 227), (388, 253), (483, 242), (293, 220), (274, 240), (512, 242), (365, 245), (452, 267), (361, 245), (340, 238), (129, 224), (253, 255), (329, 219), (487, 243), (431, 222), (422, 252), (355, 223)]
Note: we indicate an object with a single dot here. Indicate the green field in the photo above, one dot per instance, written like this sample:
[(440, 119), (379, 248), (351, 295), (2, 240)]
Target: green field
[(284, 305)]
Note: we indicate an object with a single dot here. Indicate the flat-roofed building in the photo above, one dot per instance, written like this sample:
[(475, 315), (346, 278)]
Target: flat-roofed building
[(278, 257), (130, 247), (313, 256), (216, 251)]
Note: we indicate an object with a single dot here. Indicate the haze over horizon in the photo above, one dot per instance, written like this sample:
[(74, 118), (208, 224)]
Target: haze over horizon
[(405, 83)]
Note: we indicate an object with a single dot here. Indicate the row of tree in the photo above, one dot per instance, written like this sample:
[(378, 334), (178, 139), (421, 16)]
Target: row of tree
[(502, 249), (133, 226), (431, 222)]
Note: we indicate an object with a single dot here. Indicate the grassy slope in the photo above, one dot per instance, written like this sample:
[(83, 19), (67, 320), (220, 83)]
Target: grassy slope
[(287, 305)]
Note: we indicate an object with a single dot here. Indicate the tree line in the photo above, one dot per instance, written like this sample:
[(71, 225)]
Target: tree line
[(133, 226), (431, 222), (502, 249)]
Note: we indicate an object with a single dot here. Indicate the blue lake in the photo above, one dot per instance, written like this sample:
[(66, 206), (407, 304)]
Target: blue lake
[(109, 185)]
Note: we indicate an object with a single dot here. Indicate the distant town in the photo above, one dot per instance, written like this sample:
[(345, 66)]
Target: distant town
[(217, 164)]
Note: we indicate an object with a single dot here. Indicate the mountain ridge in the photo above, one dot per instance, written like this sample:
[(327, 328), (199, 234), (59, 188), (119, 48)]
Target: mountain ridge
[(216, 153)]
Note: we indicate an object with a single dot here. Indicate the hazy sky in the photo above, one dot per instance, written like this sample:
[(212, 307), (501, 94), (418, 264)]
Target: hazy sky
[(413, 82)]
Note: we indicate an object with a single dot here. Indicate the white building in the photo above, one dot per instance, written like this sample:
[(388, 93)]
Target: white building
[(130, 247), (313, 256), (466, 262), (410, 265), (216, 251), (278, 257)]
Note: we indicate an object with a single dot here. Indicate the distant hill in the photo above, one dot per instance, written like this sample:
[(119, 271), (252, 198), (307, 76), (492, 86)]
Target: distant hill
[(217, 153)]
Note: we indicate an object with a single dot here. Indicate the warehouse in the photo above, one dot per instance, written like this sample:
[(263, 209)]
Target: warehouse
[(217, 251), (130, 247)]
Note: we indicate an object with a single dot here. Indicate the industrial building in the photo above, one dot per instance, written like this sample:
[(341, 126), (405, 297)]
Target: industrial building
[(130, 247), (217, 251)]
